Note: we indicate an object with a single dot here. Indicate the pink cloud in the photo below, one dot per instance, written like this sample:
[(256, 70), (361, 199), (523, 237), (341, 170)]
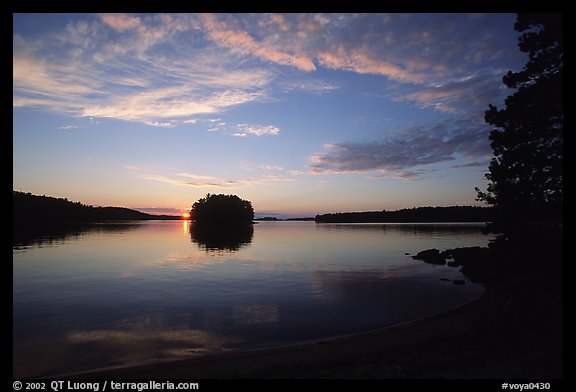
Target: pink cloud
[(278, 20), (120, 22), (239, 40), (362, 61)]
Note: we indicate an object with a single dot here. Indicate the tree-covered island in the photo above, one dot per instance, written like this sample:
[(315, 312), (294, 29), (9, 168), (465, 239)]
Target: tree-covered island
[(222, 209)]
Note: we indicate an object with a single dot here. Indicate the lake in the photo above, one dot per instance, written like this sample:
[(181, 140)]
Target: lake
[(137, 292)]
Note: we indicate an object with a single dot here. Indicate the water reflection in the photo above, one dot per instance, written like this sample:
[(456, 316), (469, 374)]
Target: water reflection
[(186, 226), (221, 238), (256, 314), (81, 350), (408, 228), (53, 235), (124, 294)]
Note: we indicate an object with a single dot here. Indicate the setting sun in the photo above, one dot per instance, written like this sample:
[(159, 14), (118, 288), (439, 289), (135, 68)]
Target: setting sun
[(185, 215)]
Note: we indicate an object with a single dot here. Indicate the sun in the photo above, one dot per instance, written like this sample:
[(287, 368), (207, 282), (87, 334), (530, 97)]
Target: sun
[(185, 215)]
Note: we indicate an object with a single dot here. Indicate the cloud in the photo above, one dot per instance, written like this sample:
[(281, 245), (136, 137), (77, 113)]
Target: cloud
[(256, 130), (197, 176), (309, 43), (461, 94), (160, 210), (241, 41), (120, 22), (39, 83), (311, 86), (160, 124), (262, 174), (167, 103), (401, 153), (477, 164), (132, 167), (406, 175), (410, 49), (164, 68), (239, 130), (363, 61), (146, 72)]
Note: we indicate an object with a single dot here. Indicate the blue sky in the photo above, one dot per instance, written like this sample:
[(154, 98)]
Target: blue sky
[(299, 113)]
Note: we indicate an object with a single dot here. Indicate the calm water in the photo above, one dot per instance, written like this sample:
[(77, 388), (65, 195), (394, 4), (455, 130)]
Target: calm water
[(123, 294)]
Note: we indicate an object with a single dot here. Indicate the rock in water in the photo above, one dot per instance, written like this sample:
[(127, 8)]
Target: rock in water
[(432, 256)]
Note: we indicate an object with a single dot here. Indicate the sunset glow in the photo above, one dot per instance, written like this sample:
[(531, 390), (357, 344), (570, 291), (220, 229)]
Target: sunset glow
[(302, 114)]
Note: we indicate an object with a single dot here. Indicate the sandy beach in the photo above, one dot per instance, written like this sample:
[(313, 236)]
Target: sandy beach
[(483, 339)]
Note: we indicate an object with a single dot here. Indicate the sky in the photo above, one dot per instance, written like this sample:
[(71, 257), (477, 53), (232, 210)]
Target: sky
[(301, 114)]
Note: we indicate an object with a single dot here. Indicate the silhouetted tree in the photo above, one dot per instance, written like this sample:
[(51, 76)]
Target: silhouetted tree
[(526, 176), (223, 210)]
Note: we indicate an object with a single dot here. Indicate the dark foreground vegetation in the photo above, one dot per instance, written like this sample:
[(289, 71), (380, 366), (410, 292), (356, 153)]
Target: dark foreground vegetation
[(412, 215), (523, 266)]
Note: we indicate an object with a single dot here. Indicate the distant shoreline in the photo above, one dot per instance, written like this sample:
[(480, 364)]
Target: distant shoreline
[(51, 211), (27, 207), (452, 214)]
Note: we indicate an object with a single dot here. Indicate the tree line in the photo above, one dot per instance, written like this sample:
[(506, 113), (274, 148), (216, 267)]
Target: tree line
[(48, 210), (412, 215)]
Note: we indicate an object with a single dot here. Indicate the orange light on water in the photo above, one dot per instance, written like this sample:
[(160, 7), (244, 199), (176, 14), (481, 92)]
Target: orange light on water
[(185, 225)]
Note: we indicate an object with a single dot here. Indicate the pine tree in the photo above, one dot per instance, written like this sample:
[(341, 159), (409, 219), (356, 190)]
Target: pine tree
[(526, 174)]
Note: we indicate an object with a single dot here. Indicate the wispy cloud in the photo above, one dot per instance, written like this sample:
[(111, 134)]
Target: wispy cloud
[(263, 174), (132, 167), (239, 130), (146, 72), (120, 22), (464, 94), (241, 41), (160, 68), (197, 176), (362, 61), (311, 86), (256, 130), (308, 42), (476, 164), (160, 124), (179, 181), (160, 210)]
